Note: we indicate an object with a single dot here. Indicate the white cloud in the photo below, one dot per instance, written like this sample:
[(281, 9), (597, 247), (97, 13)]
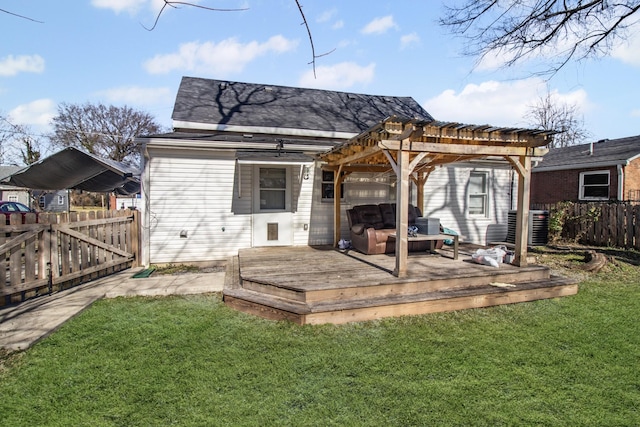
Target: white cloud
[(130, 6), (497, 103), (221, 58), (409, 40), (12, 65), (380, 25), (628, 51), (36, 113), (327, 15), (135, 95), (549, 54), (338, 77), (635, 113)]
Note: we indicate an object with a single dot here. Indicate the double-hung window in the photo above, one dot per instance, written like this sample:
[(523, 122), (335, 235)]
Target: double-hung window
[(594, 185), (327, 186), (478, 194), (273, 189)]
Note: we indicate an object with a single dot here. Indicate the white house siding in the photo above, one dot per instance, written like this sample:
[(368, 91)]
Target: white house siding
[(207, 197), (446, 194), (192, 194)]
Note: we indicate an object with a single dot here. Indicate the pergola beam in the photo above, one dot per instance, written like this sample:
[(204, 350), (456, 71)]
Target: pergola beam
[(461, 149)]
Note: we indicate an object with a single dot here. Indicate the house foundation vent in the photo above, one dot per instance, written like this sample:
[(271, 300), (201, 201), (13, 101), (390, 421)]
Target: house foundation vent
[(538, 227)]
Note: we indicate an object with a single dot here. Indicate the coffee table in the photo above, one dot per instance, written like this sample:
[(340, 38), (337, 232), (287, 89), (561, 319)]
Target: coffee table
[(433, 238)]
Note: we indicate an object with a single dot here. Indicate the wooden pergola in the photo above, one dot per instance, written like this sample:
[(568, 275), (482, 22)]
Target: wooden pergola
[(412, 149)]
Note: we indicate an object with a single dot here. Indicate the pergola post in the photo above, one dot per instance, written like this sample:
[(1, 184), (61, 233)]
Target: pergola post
[(337, 195), (522, 216), (402, 212)]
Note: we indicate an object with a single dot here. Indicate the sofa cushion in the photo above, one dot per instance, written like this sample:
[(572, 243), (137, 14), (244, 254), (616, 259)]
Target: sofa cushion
[(368, 214), (388, 215), (412, 215)]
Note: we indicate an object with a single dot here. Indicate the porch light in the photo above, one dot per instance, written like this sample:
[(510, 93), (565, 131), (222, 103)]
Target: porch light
[(305, 173)]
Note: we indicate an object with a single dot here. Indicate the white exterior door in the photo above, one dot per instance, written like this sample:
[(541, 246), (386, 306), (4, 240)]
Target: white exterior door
[(272, 216)]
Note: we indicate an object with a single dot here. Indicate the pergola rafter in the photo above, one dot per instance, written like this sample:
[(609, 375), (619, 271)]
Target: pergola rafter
[(412, 149)]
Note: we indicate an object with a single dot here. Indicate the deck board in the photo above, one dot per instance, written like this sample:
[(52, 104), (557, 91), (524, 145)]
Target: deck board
[(321, 284)]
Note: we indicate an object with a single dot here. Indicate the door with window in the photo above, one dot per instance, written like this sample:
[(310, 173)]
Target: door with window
[(272, 216)]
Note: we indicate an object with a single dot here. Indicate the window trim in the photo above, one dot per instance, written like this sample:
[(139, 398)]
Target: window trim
[(323, 183), (582, 185), (484, 195), (287, 190)]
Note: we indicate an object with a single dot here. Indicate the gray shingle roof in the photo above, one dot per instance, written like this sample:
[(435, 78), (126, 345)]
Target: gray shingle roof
[(605, 153), (5, 171), (257, 105)]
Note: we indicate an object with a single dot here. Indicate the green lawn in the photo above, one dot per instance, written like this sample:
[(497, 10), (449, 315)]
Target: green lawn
[(573, 361)]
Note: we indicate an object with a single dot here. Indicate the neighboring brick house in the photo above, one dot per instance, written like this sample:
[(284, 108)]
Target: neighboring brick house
[(607, 170)]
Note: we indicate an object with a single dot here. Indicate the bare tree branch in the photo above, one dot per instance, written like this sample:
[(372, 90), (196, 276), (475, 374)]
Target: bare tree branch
[(313, 49), (21, 16), (175, 4), (560, 30)]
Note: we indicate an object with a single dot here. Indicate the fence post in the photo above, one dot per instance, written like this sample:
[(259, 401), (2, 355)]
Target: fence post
[(134, 230)]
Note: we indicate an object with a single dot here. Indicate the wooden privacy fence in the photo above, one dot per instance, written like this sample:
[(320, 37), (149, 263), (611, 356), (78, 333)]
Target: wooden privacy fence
[(599, 224), (52, 252)]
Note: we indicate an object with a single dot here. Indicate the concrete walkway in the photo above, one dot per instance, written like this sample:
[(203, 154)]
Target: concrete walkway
[(24, 324)]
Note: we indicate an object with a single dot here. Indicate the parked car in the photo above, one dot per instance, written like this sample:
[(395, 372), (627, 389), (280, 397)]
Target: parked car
[(8, 208)]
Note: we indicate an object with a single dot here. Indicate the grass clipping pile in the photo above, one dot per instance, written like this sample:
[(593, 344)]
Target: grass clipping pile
[(581, 261), (179, 269)]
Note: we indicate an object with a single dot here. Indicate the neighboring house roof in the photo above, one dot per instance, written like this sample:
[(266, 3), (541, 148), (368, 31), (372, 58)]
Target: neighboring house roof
[(8, 170), (5, 171), (205, 104), (605, 153)]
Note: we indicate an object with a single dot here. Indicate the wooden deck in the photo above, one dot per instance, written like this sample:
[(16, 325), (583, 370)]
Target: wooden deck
[(313, 285)]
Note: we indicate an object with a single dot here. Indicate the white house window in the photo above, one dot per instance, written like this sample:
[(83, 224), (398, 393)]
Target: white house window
[(327, 186), (478, 194), (273, 188), (42, 201), (12, 198), (594, 185), (60, 200)]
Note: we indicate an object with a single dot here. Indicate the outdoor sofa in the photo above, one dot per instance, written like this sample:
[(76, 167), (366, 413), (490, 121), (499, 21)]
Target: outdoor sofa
[(370, 227)]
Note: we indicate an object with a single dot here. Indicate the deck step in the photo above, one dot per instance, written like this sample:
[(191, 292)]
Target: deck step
[(368, 308), (315, 290)]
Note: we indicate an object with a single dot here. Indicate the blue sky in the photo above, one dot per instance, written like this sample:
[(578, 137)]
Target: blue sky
[(99, 51)]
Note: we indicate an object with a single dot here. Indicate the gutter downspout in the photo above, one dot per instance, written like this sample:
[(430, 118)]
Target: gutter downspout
[(145, 217), (620, 182)]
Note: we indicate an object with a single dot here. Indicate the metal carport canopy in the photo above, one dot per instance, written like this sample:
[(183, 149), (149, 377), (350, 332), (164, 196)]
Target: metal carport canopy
[(75, 169)]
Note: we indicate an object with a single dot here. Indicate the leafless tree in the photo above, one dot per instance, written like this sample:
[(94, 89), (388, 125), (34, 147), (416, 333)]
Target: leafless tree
[(550, 113), (560, 29), (18, 142), (106, 131), (30, 151)]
